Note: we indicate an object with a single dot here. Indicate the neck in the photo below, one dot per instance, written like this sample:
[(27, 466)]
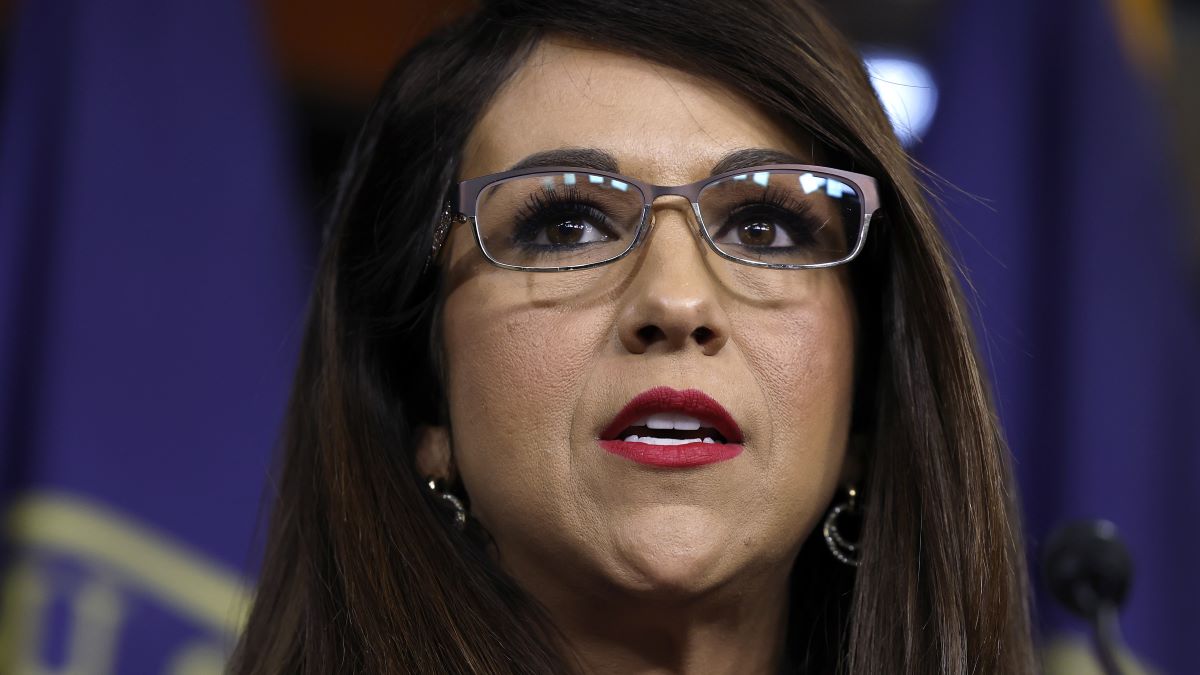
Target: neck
[(738, 629)]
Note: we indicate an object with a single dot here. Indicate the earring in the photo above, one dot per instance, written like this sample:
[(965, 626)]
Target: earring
[(460, 512), (842, 549)]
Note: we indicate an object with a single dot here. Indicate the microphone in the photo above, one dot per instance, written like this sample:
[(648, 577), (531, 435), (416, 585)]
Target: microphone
[(1089, 570)]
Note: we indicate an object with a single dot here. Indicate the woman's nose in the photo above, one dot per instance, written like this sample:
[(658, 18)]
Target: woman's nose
[(672, 302)]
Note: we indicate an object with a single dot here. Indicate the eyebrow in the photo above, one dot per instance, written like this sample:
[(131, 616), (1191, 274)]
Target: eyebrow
[(748, 157), (586, 158), (593, 158)]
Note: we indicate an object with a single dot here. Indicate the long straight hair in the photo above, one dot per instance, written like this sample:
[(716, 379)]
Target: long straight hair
[(362, 574)]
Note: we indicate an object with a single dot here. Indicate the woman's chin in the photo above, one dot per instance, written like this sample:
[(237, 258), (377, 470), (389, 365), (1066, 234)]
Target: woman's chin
[(673, 551)]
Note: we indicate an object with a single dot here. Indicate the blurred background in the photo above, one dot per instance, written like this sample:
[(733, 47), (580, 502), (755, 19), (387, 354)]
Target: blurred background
[(165, 168)]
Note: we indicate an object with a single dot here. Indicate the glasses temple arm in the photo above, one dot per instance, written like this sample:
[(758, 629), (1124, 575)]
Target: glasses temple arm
[(448, 218)]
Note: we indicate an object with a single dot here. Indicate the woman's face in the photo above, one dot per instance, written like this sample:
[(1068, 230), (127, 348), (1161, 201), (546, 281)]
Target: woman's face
[(540, 364)]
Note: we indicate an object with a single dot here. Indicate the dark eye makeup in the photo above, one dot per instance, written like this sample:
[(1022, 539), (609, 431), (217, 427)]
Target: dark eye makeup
[(563, 209), (774, 210), (559, 217)]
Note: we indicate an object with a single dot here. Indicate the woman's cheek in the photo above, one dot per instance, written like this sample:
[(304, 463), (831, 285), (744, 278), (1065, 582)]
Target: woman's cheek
[(519, 348), (802, 357), (515, 382)]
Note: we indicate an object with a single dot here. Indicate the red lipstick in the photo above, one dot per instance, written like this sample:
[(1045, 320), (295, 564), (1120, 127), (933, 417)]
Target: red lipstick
[(719, 437)]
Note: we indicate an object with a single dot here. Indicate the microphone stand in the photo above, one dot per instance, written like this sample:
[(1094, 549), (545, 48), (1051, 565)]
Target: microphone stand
[(1107, 632)]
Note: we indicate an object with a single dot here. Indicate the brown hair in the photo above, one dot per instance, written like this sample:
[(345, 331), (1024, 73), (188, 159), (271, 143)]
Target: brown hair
[(363, 575)]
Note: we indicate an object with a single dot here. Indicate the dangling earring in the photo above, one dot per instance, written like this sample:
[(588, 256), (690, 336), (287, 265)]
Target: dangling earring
[(460, 512), (842, 549)]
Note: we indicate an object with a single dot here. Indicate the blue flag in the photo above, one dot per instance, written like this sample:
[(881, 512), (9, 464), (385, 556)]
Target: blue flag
[(1086, 319), (152, 281)]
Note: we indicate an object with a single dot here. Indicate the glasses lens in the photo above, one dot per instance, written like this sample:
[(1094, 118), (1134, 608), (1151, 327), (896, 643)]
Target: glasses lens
[(783, 217), (558, 219)]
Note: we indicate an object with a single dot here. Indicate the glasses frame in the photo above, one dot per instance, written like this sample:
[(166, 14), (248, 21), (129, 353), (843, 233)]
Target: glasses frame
[(464, 208)]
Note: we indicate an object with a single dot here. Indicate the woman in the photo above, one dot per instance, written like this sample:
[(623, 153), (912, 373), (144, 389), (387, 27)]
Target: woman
[(635, 349)]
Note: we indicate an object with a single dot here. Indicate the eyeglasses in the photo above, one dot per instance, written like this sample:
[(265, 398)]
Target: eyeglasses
[(779, 216)]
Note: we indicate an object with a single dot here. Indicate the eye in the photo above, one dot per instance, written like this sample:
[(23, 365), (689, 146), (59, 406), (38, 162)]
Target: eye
[(568, 231), (758, 234), (551, 222), (761, 225)]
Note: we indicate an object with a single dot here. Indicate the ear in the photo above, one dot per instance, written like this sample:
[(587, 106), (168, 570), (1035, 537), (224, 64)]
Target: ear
[(433, 457), (852, 464)]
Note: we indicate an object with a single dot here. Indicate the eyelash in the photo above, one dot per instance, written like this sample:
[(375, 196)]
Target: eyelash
[(542, 207), (545, 204), (776, 199)]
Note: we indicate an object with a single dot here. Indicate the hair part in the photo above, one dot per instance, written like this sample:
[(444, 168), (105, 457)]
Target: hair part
[(362, 575)]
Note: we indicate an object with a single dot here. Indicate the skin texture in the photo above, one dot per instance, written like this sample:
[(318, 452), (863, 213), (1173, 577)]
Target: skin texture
[(645, 570)]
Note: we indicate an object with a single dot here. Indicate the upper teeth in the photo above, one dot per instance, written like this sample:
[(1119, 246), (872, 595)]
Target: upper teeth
[(669, 420)]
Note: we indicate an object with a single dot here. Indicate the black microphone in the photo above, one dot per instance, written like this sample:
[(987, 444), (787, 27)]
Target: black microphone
[(1088, 570)]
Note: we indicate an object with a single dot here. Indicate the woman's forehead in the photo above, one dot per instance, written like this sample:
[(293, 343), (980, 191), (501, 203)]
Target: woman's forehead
[(660, 124)]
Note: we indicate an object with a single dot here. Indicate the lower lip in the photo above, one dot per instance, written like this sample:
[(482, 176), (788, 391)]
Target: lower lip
[(674, 456)]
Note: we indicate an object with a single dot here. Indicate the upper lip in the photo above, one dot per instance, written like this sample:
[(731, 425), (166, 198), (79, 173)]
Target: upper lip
[(665, 399)]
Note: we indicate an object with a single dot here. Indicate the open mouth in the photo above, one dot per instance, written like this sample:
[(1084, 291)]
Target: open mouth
[(670, 429), (665, 427)]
